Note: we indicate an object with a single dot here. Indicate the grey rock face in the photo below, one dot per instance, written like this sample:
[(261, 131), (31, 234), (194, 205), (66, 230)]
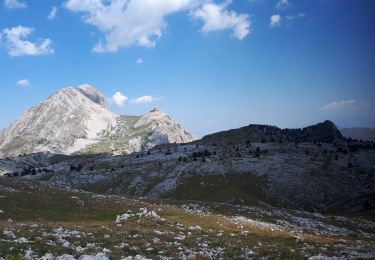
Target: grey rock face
[(76, 120), (67, 121), (135, 134)]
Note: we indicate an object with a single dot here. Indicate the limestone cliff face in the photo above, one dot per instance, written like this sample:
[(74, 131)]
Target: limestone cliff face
[(76, 119)]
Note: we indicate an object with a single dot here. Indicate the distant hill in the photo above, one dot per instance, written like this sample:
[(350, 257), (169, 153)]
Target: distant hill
[(359, 133), (323, 132)]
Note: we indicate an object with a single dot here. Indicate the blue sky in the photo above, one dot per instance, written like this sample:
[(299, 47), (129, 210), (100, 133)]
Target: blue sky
[(211, 65)]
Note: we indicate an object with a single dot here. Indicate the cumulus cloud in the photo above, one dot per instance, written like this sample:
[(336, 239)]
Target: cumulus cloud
[(14, 41), (139, 61), (52, 14), (14, 4), (144, 100), (215, 17), (275, 20), (282, 4), (23, 83), (343, 104), (125, 23), (119, 99)]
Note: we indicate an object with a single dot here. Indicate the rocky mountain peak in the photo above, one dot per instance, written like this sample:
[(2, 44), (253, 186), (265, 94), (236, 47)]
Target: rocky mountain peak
[(67, 121), (76, 95), (155, 110), (323, 132), (155, 115), (91, 93), (76, 120)]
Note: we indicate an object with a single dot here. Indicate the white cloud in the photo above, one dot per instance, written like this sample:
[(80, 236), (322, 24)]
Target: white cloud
[(144, 100), (335, 105), (139, 61), (119, 99), (16, 44), (275, 20), (52, 14), (125, 23), (14, 4), (23, 83), (282, 4), (215, 18)]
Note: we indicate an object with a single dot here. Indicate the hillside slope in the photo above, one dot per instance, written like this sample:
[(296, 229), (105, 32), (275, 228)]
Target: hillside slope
[(39, 221), (336, 177), (322, 132)]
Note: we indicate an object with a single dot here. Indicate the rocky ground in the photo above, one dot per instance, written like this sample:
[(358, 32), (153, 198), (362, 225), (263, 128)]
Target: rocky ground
[(321, 177), (203, 200), (43, 221)]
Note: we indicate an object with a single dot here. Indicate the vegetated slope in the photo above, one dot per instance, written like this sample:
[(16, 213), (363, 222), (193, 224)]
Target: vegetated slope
[(322, 132), (319, 176), (44, 221), (76, 120), (359, 133)]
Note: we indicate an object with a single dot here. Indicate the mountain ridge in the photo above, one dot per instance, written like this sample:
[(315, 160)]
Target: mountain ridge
[(74, 118), (322, 132), (313, 176)]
